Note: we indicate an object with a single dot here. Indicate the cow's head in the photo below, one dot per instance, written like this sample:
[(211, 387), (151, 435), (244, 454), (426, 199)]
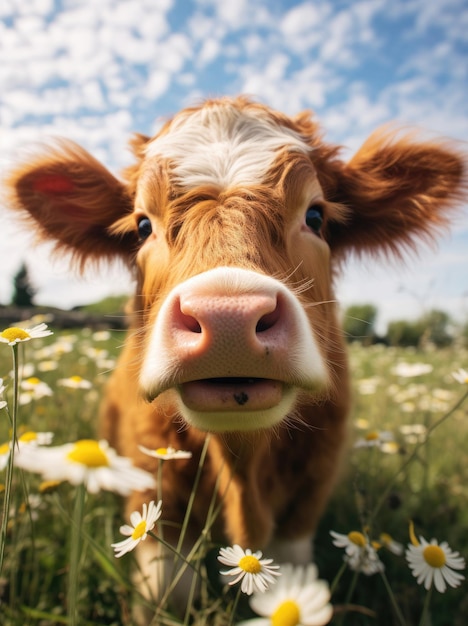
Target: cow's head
[(234, 217)]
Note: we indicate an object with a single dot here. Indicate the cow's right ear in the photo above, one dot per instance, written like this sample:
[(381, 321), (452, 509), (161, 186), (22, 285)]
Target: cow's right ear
[(72, 200)]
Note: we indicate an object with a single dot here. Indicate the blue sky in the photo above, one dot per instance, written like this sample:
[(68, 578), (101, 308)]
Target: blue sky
[(97, 71)]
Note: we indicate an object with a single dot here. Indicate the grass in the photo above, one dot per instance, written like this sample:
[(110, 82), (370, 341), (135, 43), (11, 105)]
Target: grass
[(379, 491)]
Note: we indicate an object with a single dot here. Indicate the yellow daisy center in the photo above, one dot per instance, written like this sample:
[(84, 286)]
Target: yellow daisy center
[(33, 380), (357, 538), (287, 614), (28, 436), (250, 564), (76, 379), (89, 453), (434, 556), (14, 333), (140, 530), (48, 486), (4, 449), (372, 436), (161, 451)]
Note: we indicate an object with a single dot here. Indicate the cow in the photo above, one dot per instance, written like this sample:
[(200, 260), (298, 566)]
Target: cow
[(235, 220)]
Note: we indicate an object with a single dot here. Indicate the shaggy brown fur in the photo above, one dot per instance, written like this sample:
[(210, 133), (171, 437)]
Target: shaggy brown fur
[(273, 483)]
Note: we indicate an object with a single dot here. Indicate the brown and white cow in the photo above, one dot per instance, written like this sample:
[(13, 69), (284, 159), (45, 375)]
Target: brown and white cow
[(235, 219)]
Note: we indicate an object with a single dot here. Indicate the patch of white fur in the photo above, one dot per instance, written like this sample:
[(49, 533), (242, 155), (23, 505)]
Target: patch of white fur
[(222, 145)]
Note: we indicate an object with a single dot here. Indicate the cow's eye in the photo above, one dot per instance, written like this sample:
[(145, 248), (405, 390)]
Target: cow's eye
[(145, 228), (314, 218)]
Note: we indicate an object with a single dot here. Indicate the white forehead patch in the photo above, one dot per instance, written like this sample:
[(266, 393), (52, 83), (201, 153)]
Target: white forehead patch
[(222, 145)]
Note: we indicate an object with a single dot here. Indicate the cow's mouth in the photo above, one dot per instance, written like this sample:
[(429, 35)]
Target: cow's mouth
[(231, 394)]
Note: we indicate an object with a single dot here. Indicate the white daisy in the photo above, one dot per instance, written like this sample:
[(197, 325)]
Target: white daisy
[(101, 335), (298, 599), (47, 366), (461, 376), (37, 388), (414, 433), (254, 572), (14, 334), (434, 563), (138, 531), (75, 382), (393, 546), (166, 454), (374, 438), (27, 438), (361, 555), (86, 461), (408, 370)]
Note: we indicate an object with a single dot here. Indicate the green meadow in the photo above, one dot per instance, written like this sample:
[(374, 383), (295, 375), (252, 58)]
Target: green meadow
[(407, 461)]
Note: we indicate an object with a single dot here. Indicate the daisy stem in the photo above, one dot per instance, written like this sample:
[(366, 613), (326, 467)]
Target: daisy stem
[(11, 458), (192, 496), (349, 595), (234, 606), (425, 612), (159, 488), (160, 564), (191, 596), (337, 578), (75, 555), (396, 608)]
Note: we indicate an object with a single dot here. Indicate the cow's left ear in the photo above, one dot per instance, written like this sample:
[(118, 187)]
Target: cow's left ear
[(72, 200), (396, 191)]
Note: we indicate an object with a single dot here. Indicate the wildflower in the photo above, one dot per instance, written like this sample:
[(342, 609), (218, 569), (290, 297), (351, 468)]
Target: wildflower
[(361, 555), (256, 573), (388, 542), (37, 387), (413, 433), (86, 461), (362, 423), (101, 335), (461, 376), (14, 334), (408, 370), (390, 447), (29, 438), (47, 365), (374, 438), (368, 386), (434, 563), (75, 382), (49, 486), (166, 454), (138, 531), (299, 599)]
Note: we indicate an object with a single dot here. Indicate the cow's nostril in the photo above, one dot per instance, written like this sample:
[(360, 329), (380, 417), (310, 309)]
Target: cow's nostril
[(190, 323), (267, 321)]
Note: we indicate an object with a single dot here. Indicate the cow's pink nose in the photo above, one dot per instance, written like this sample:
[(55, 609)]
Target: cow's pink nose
[(247, 321)]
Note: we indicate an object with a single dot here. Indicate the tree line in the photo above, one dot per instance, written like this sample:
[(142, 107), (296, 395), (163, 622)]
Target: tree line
[(434, 327)]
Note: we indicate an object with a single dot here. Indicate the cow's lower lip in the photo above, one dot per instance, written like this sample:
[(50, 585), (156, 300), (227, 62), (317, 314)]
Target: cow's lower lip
[(231, 394)]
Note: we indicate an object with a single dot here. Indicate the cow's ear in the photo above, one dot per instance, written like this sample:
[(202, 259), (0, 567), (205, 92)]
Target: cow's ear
[(396, 191), (72, 200)]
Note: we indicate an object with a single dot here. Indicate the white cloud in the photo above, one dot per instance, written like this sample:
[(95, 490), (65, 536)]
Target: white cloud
[(303, 25), (209, 52)]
